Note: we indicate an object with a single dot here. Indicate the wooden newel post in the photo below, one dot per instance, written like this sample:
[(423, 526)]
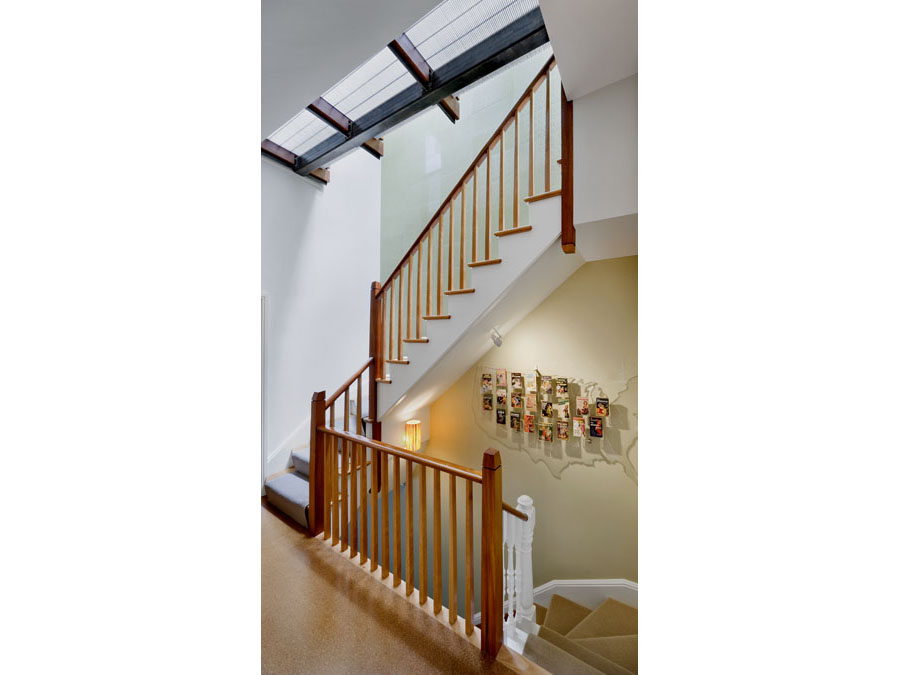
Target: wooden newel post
[(317, 463), (491, 553), (376, 370), (568, 189)]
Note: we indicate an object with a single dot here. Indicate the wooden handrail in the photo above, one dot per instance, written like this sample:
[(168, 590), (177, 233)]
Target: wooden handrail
[(514, 511), (456, 188), (344, 387), (424, 460)]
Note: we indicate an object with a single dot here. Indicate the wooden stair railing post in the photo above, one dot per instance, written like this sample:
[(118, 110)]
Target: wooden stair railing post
[(317, 463), (376, 369), (568, 205), (491, 553)]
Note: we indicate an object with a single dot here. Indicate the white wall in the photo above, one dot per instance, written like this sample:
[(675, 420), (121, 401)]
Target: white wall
[(606, 143), (320, 255)]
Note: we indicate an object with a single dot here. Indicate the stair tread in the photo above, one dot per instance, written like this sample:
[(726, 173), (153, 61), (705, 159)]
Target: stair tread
[(404, 362), (482, 263), (552, 658), (300, 460), (289, 493), (582, 653), (416, 340), (621, 649), (563, 615), (383, 380), (460, 291), (610, 618), (436, 317), (514, 230)]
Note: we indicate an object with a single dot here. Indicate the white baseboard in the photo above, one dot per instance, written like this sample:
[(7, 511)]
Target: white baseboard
[(588, 592)]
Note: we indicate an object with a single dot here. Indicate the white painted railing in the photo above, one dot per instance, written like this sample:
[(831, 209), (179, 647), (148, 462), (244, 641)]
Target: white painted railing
[(518, 582)]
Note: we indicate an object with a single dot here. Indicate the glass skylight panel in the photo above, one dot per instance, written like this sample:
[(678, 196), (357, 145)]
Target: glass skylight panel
[(455, 26), (298, 132), (370, 85)]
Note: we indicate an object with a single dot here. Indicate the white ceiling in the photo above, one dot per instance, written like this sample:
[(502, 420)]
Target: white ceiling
[(309, 45), (595, 41)]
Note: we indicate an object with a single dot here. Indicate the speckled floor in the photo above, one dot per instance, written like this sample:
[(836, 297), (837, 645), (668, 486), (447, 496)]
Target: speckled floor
[(320, 614)]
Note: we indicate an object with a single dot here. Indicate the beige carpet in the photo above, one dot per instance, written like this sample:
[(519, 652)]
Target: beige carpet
[(320, 614), (603, 640)]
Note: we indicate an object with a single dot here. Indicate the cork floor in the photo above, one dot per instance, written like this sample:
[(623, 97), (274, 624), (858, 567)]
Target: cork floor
[(321, 614)]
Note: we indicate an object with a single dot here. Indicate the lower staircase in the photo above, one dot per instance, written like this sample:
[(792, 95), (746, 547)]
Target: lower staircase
[(574, 639), (289, 491)]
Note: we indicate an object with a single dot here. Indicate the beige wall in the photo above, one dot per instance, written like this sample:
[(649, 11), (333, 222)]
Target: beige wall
[(586, 525)]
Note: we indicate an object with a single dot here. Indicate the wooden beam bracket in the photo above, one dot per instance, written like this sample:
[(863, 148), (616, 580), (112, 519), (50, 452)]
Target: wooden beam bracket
[(450, 107), (375, 147)]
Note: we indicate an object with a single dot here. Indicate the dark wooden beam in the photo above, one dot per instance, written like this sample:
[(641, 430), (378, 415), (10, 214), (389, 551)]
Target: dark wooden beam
[(278, 153), (375, 147), (567, 240), (449, 105), (409, 56), (328, 113), (522, 36)]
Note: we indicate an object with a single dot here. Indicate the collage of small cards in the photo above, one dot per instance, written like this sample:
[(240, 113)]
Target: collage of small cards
[(518, 401)]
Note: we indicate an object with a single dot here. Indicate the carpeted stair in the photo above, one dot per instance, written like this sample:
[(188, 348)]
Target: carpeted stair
[(575, 639), (289, 493)]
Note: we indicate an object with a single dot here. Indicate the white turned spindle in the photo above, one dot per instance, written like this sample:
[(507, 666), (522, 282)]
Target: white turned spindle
[(524, 581)]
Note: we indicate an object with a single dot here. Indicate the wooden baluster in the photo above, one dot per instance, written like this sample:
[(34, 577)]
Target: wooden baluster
[(326, 507), (353, 498), (516, 175), (531, 143), (419, 292), (436, 572), (428, 273), (338, 497), (347, 409), (397, 535), (363, 510), (331, 415), (400, 315), (487, 207), (317, 499), (385, 523), (408, 297), (547, 139), (373, 553), (502, 175), (410, 581), (344, 470), (462, 238), (391, 325), (440, 254), (450, 250), (384, 325), (451, 598), (491, 553), (359, 413), (470, 567), (475, 213), (423, 536)]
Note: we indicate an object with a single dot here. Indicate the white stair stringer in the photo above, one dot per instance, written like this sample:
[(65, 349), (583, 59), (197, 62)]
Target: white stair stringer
[(533, 266)]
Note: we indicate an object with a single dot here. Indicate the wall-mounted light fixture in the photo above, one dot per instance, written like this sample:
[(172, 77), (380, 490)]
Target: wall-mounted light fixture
[(413, 435)]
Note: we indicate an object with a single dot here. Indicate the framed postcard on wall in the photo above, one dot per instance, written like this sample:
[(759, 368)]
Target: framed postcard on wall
[(562, 387), (547, 409), (597, 427), (530, 382), (515, 381), (546, 386), (602, 407), (546, 432), (578, 427), (515, 421), (487, 402), (501, 377), (530, 401), (486, 382), (501, 398), (529, 423), (562, 431), (501, 415), (515, 400), (582, 406), (562, 410)]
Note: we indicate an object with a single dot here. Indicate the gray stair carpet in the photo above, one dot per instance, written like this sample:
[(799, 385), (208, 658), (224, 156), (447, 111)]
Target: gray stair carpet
[(582, 653), (290, 495), (300, 459)]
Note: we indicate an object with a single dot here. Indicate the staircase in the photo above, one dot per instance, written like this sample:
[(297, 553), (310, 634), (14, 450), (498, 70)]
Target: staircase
[(574, 639), (468, 269)]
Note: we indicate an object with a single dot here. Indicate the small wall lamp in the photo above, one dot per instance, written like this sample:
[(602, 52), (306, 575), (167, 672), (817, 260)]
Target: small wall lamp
[(413, 435)]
